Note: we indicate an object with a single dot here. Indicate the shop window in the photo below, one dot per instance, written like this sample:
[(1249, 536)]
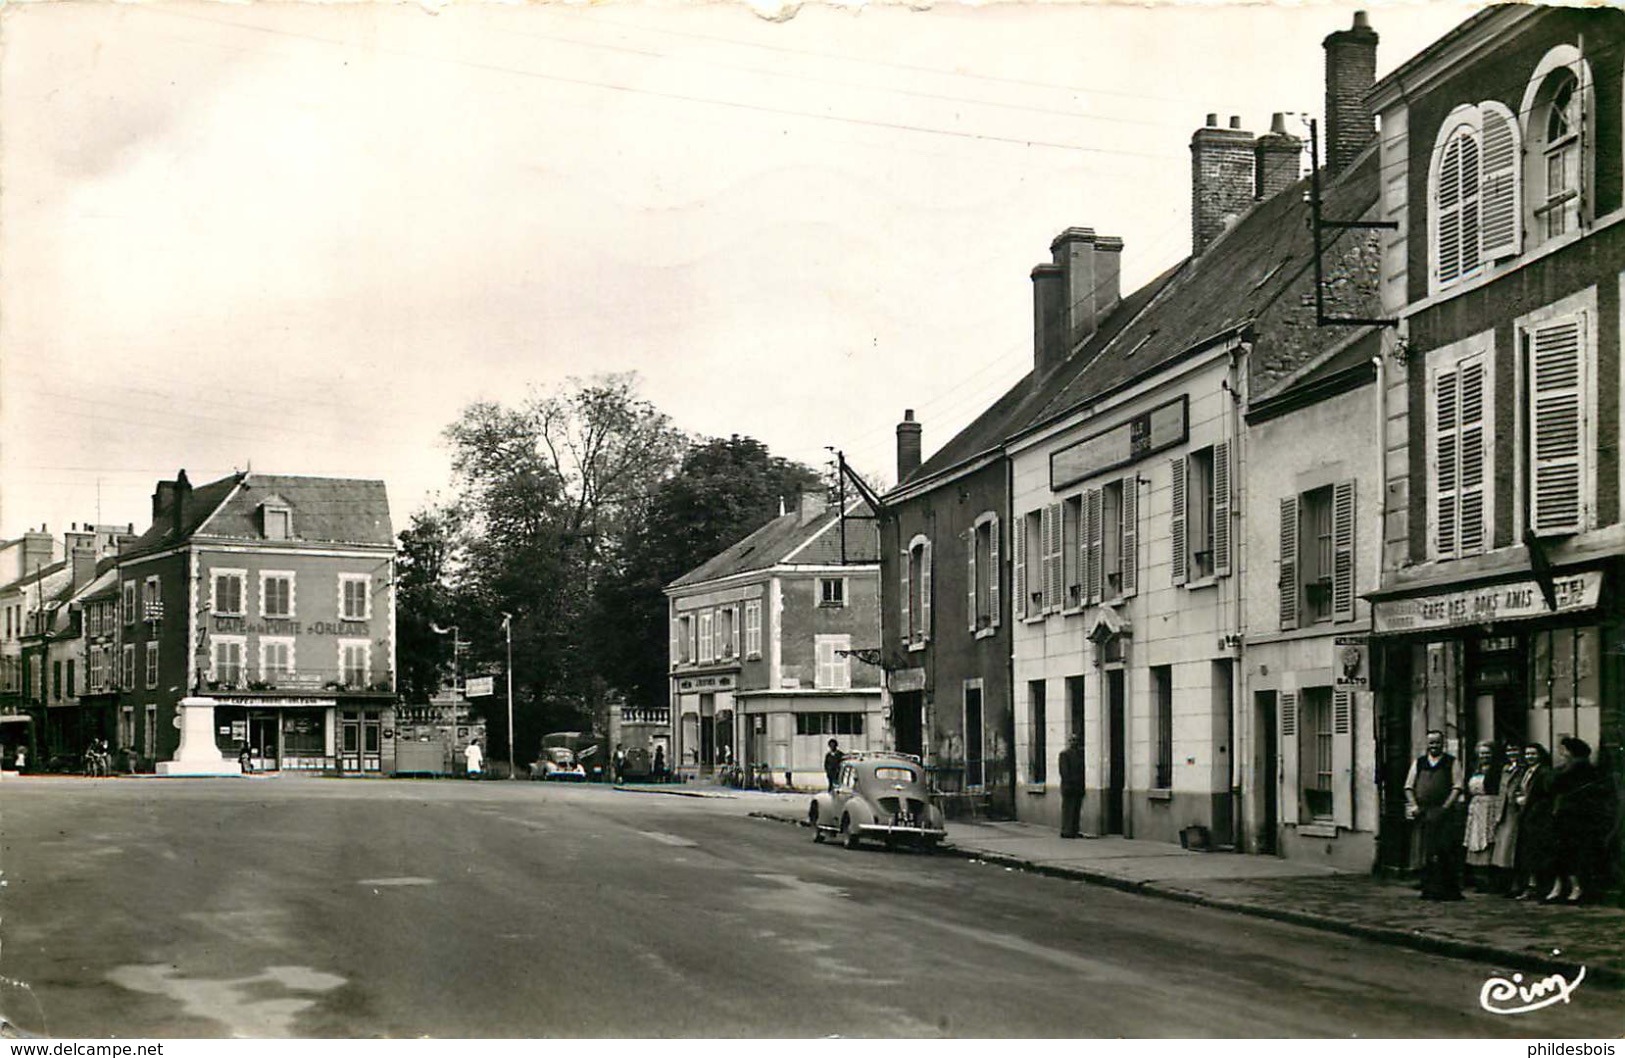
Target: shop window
[(829, 724)]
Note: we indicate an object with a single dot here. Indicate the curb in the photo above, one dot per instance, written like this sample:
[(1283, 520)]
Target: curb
[(673, 793), (1413, 939)]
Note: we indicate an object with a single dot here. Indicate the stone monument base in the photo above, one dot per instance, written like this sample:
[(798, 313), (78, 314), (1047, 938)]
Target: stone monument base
[(197, 754)]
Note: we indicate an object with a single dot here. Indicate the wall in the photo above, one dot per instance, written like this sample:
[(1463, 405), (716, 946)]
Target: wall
[(802, 618), (940, 669), (1335, 439), (1177, 626)]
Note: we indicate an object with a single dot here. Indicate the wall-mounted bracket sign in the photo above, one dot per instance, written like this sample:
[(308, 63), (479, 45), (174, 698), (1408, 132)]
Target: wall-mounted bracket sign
[(1128, 442)]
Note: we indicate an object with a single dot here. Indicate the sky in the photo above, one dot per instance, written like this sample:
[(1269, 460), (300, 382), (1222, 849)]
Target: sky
[(300, 238)]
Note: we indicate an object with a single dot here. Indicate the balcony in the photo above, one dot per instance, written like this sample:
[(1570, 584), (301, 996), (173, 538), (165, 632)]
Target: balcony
[(308, 682)]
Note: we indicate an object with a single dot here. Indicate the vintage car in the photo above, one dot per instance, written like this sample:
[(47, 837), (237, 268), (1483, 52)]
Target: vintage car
[(881, 796), (559, 764)]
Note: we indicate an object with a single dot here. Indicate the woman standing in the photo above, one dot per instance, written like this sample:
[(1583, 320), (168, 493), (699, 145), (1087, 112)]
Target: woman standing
[(1485, 805), (1582, 805), (1535, 839)]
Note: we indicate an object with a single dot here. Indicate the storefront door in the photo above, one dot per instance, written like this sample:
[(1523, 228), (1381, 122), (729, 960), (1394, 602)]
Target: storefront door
[(359, 741), (262, 741)]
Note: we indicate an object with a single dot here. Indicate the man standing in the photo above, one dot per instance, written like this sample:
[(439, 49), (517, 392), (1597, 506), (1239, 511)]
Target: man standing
[(1071, 766), (832, 762), (475, 758), (618, 763), (1432, 790)]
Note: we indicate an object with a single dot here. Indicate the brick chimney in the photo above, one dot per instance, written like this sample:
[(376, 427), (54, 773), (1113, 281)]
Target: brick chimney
[(1277, 156), (1092, 264), (812, 505), (172, 501), (1351, 70), (1049, 319), (908, 445), (1221, 179)]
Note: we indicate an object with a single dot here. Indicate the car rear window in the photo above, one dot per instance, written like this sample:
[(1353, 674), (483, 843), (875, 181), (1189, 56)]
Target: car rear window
[(894, 774)]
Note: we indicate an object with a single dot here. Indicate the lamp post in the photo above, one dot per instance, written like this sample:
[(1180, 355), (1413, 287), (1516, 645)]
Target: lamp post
[(507, 628)]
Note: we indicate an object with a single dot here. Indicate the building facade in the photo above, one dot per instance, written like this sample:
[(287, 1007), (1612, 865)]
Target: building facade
[(764, 669), (1499, 612), (274, 596)]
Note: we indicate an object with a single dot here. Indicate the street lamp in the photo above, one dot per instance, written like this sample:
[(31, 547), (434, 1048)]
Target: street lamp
[(507, 628), (456, 700)]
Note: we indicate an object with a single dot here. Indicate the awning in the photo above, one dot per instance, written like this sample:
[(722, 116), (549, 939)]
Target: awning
[(1518, 600)]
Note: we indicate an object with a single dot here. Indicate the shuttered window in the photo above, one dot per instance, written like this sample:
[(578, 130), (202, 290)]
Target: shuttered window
[(1074, 551), (1559, 477), (753, 629), (1131, 536), (1093, 538), (1460, 464), (1220, 532), (917, 591), (707, 649), (1500, 205), (1179, 543), (1055, 590), (1288, 582), (1343, 526)]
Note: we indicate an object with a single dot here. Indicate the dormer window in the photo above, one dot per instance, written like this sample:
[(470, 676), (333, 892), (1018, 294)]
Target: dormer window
[(276, 521)]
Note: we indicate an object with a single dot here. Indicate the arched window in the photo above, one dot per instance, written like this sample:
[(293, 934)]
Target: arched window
[(1473, 193), (1557, 167)]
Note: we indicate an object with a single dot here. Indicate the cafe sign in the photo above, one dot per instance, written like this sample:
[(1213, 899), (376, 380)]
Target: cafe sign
[(706, 683), (1518, 600)]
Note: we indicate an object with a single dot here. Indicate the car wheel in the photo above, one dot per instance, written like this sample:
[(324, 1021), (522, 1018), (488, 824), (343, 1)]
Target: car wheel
[(849, 831), (812, 821)]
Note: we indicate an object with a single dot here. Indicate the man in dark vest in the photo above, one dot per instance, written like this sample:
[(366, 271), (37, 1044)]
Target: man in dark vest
[(1433, 789), (832, 763), (1071, 767)]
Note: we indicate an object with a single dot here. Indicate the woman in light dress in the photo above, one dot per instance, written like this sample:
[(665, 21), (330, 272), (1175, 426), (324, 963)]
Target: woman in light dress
[(1485, 805)]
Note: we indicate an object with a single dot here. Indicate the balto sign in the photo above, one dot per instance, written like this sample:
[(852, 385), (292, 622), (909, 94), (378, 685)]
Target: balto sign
[(1502, 602)]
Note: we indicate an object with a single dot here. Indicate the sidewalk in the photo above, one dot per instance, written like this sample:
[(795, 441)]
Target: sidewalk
[(1504, 934)]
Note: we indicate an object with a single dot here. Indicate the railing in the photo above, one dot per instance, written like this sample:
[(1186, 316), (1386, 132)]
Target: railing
[(645, 714), (307, 681)]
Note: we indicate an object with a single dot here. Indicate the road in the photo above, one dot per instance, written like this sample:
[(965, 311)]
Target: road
[(315, 908)]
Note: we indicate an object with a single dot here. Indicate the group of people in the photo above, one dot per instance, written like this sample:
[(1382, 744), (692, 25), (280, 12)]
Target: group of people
[(1523, 827)]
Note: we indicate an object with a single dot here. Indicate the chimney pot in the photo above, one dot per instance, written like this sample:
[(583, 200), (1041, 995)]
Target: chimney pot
[(1213, 121), (1235, 121), (1278, 124)]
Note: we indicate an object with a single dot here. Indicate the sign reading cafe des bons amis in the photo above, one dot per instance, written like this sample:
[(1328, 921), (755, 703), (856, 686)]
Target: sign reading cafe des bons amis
[(1500, 602)]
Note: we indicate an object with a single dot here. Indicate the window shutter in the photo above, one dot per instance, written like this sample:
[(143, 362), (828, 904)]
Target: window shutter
[(1500, 210), (1343, 524), (673, 652), (1289, 779), (903, 629), (1181, 555), (994, 572), (1472, 518), (1093, 550), (1447, 264), (925, 589), (1288, 584), (705, 638), (1018, 567), (1221, 509), (1556, 435), (1129, 551), (1057, 563), (1446, 463), (970, 537), (1470, 204), (1046, 557), (1343, 758)]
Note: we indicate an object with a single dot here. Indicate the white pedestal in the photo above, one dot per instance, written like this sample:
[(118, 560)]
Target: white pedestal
[(197, 754)]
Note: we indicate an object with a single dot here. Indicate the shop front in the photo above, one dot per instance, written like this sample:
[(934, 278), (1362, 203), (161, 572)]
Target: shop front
[(307, 735), (1506, 662)]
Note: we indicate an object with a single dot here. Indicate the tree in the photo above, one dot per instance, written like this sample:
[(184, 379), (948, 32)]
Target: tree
[(546, 490), (725, 489), (424, 599)]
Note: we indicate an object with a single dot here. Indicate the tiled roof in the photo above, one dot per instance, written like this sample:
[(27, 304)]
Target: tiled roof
[(786, 538), (325, 510), (1239, 279), (28, 579)]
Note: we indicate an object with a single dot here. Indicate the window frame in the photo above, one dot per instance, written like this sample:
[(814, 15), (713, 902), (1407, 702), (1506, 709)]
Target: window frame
[(215, 675), (241, 577), (1577, 203), (265, 644), (753, 628), (363, 645), (1583, 308), (128, 600), (1316, 755), (979, 781), (835, 600), (152, 599), (1450, 359), (293, 593), (152, 665), (834, 672), (984, 590), (917, 602), (1037, 732), (1162, 726), (344, 581), (271, 511)]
